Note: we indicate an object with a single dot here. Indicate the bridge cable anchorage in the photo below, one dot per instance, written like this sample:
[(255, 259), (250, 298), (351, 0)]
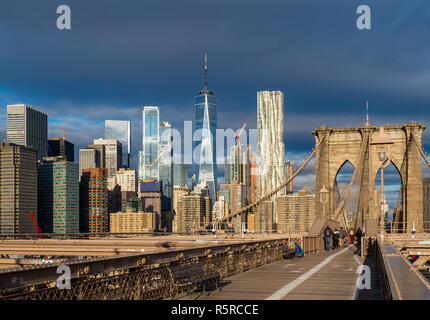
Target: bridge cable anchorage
[(273, 192), (420, 149), (359, 167)]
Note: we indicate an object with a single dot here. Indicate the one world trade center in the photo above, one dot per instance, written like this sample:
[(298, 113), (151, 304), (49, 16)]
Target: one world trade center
[(205, 137)]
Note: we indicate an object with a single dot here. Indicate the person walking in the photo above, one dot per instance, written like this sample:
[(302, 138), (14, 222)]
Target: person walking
[(359, 234), (336, 237), (327, 237), (351, 234), (342, 236)]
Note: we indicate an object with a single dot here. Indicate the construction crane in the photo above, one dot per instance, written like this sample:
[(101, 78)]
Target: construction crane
[(36, 225), (237, 134), (64, 132), (150, 165)]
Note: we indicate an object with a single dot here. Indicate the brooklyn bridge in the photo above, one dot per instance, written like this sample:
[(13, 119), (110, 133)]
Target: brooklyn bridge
[(212, 264)]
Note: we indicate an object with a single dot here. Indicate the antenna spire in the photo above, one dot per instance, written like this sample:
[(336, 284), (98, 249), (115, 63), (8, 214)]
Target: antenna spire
[(367, 113), (206, 71)]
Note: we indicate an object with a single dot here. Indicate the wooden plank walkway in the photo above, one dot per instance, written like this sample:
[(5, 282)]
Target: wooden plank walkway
[(324, 276)]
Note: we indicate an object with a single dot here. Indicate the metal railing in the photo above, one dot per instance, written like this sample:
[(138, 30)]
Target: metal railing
[(130, 277), (399, 227)]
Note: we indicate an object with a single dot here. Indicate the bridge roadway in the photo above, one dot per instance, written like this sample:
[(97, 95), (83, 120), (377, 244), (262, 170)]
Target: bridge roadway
[(322, 276)]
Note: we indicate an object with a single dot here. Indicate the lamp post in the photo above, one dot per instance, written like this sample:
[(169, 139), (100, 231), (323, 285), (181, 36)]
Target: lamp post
[(324, 198), (383, 157), (214, 229)]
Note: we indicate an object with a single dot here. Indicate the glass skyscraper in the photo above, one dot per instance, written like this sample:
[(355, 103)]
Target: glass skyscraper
[(120, 130), (180, 175), (205, 126), (151, 138)]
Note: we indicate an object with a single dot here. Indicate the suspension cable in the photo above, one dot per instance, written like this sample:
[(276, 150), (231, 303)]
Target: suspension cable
[(273, 192), (357, 169), (420, 149)]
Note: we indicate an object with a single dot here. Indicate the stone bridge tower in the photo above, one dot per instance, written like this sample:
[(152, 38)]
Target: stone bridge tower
[(362, 147)]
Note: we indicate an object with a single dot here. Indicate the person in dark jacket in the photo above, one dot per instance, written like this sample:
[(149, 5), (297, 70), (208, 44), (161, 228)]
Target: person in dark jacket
[(327, 237), (336, 236), (359, 234)]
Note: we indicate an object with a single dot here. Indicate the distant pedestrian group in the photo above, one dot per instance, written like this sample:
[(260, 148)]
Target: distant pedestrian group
[(336, 239)]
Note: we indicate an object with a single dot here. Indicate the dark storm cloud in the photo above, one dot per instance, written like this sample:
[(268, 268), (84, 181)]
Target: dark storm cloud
[(121, 55)]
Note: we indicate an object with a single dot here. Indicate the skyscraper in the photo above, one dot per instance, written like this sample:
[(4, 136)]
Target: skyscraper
[(165, 166), (93, 201), (113, 152), (88, 159), (101, 152), (58, 195), (270, 140), (147, 164), (180, 175), (27, 126), (120, 130), (205, 127), (240, 169), (60, 147), (18, 188)]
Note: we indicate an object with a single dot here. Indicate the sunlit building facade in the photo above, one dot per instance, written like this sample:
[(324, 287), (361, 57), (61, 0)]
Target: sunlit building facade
[(121, 131), (27, 126), (113, 155), (270, 140)]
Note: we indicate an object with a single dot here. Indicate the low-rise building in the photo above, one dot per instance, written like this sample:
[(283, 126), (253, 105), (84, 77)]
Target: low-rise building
[(296, 212), (132, 222)]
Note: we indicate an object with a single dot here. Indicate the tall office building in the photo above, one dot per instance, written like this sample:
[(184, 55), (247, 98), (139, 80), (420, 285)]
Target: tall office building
[(180, 175), (120, 130), (224, 191), (205, 126), (27, 126), (61, 148), (126, 179), (93, 201), (18, 188), (101, 151), (88, 159), (165, 165), (113, 154), (58, 195), (270, 140), (151, 192), (148, 166), (240, 169)]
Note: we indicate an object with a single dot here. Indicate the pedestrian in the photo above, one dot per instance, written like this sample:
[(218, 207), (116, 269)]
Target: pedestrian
[(359, 234), (336, 237), (351, 234), (342, 236), (327, 238)]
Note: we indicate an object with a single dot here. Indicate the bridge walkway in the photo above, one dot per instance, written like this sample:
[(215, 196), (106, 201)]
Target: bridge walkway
[(321, 276)]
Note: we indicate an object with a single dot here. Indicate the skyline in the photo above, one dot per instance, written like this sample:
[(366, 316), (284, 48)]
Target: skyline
[(327, 70)]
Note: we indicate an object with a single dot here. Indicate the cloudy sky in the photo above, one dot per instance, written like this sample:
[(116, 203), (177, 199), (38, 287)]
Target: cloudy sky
[(122, 55)]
